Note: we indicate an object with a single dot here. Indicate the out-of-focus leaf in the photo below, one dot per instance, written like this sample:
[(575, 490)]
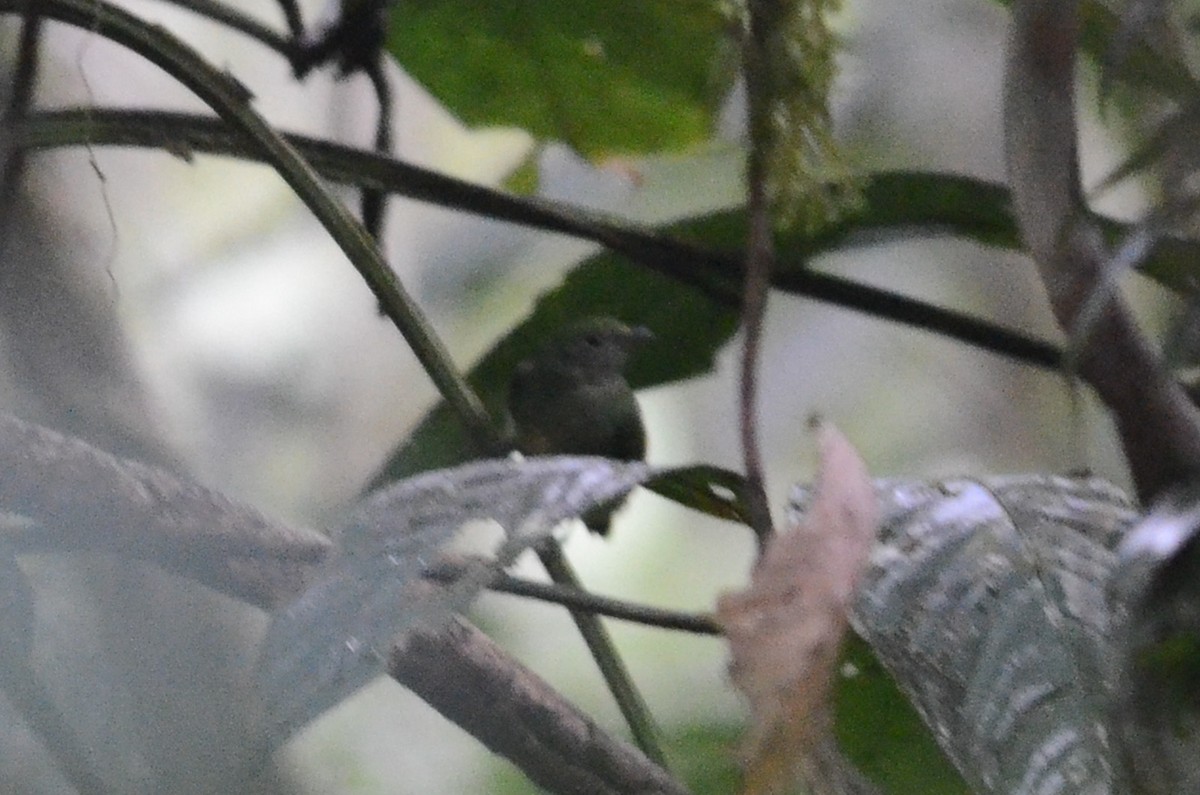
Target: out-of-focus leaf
[(986, 601), (786, 628), (1155, 66), (1146, 66), (1156, 589), (882, 734), (1142, 22), (604, 77), (708, 489), (704, 758), (334, 638)]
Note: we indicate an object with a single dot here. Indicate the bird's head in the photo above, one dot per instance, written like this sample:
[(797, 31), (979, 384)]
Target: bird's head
[(599, 346)]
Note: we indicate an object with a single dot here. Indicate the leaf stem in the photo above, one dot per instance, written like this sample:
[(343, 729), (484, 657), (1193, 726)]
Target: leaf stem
[(630, 701)]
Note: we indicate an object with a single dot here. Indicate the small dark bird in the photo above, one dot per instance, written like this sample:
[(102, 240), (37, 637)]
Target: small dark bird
[(571, 398)]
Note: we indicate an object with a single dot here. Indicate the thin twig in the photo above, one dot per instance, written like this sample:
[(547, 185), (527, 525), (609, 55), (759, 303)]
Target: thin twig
[(12, 155), (374, 200), (291, 16), (586, 600), (612, 667), (760, 255)]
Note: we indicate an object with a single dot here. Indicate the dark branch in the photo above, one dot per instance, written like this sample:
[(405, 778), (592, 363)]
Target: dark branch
[(716, 274), (94, 500), (518, 716), (591, 602), (84, 498), (760, 261)]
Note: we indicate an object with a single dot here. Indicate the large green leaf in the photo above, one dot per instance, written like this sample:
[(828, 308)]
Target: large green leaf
[(987, 601), (883, 735), (604, 77), (688, 325)]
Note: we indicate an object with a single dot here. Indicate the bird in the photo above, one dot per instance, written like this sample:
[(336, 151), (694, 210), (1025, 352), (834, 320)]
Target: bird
[(572, 398)]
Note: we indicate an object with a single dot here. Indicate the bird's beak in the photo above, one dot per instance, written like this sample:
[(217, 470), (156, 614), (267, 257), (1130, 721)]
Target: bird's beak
[(640, 335)]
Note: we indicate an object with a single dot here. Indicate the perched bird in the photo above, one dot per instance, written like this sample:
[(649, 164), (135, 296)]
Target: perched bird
[(571, 398)]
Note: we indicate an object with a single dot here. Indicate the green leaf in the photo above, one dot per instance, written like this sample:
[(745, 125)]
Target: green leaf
[(883, 735), (708, 489), (913, 202), (689, 328), (987, 601), (704, 755), (604, 77)]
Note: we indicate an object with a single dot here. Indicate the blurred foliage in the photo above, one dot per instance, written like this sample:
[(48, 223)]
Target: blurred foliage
[(1147, 64), (604, 77), (703, 755), (883, 735)]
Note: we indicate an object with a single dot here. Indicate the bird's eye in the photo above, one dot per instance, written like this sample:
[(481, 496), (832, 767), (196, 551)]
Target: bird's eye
[(593, 340)]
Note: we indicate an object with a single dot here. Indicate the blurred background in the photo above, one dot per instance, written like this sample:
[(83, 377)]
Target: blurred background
[(192, 313)]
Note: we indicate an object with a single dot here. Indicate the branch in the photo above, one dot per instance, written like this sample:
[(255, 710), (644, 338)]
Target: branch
[(1159, 426), (894, 201), (760, 256), (96, 501), (84, 498), (585, 600), (518, 716), (231, 101)]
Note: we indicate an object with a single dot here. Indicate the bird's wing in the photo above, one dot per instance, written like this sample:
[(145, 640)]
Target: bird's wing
[(629, 440)]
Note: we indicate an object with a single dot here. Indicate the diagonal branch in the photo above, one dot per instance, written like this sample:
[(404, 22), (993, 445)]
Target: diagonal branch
[(84, 498), (895, 202), (94, 500), (561, 749), (231, 100), (1159, 426)]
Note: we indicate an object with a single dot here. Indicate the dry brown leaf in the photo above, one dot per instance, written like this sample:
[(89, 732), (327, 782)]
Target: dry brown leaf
[(786, 628)]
